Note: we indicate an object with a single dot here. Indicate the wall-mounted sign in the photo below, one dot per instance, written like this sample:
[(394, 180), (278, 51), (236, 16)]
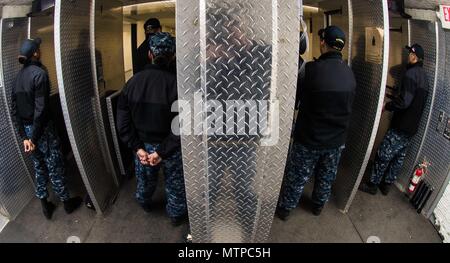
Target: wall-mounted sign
[(374, 45), (445, 16)]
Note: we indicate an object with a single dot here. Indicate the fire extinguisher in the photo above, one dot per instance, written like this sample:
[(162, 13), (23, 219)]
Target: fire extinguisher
[(417, 176)]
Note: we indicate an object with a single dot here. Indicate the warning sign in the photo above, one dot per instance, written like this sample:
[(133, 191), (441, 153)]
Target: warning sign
[(445, 16)]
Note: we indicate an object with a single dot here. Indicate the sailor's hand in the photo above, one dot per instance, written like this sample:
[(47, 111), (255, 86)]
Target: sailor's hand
[(28, 146), (154, 159), (143, 156)]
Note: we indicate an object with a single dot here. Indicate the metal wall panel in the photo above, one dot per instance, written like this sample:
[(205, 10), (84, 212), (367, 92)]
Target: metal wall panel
[(15, 31), (436, 147), (229, 50), (16, 187), (42, 26), (109, 61), (367, 107), (76, 72), (425, 34)]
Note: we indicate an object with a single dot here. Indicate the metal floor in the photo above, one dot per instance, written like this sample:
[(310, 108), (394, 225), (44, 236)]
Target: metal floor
[(390, 218)]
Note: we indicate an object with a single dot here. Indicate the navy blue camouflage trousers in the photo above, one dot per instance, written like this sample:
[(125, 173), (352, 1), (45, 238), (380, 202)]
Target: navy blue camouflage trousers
[(302, 164), (147, 179), (390, 157), (48, 163)]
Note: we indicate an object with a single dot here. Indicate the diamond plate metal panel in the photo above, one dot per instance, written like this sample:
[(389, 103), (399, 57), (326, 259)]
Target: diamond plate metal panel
[(115, 137), (193, 147), (436, 147), (43, 27), (16, 187), (425, 34), (76, 72), (234, 50), (371, 83), (14, 33)]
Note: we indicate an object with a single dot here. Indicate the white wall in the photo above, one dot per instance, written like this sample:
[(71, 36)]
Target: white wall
[(442, 215), (15, 11), (127, 49), (127, 52)]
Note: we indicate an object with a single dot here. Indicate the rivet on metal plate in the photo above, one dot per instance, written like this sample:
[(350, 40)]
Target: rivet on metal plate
[(73, 239), (373, 239)]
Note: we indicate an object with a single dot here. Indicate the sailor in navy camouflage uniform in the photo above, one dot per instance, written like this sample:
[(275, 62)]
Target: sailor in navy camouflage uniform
[(48, 157), (31, 114), (144, 119), (407, 106), (147, 180), (326, 96)]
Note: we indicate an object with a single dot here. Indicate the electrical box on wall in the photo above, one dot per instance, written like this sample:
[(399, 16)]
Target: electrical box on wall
[(447, 129), (443, 126), (374, 45), (441, 121)]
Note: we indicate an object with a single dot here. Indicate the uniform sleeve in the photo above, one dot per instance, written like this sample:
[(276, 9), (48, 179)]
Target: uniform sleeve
[(41, 90), (125, 126), (172, 142), (405, 96), (15, 116)]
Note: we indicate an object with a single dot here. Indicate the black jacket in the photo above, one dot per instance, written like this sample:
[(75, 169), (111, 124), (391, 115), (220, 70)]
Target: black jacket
[(144, 110), (142, 60), (326, 95), (30, 100), (408, 105)]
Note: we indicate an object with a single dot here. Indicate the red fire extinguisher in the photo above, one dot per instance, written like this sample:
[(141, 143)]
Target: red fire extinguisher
[(417, 177)]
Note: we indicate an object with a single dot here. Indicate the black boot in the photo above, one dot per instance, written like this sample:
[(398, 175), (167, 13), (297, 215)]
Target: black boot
[(369, 188), (385, 188), (188, 239), (147, 208), (72, 204), (88, 202), (317, 210), (282, 213), (48, 208), (179, 220)]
